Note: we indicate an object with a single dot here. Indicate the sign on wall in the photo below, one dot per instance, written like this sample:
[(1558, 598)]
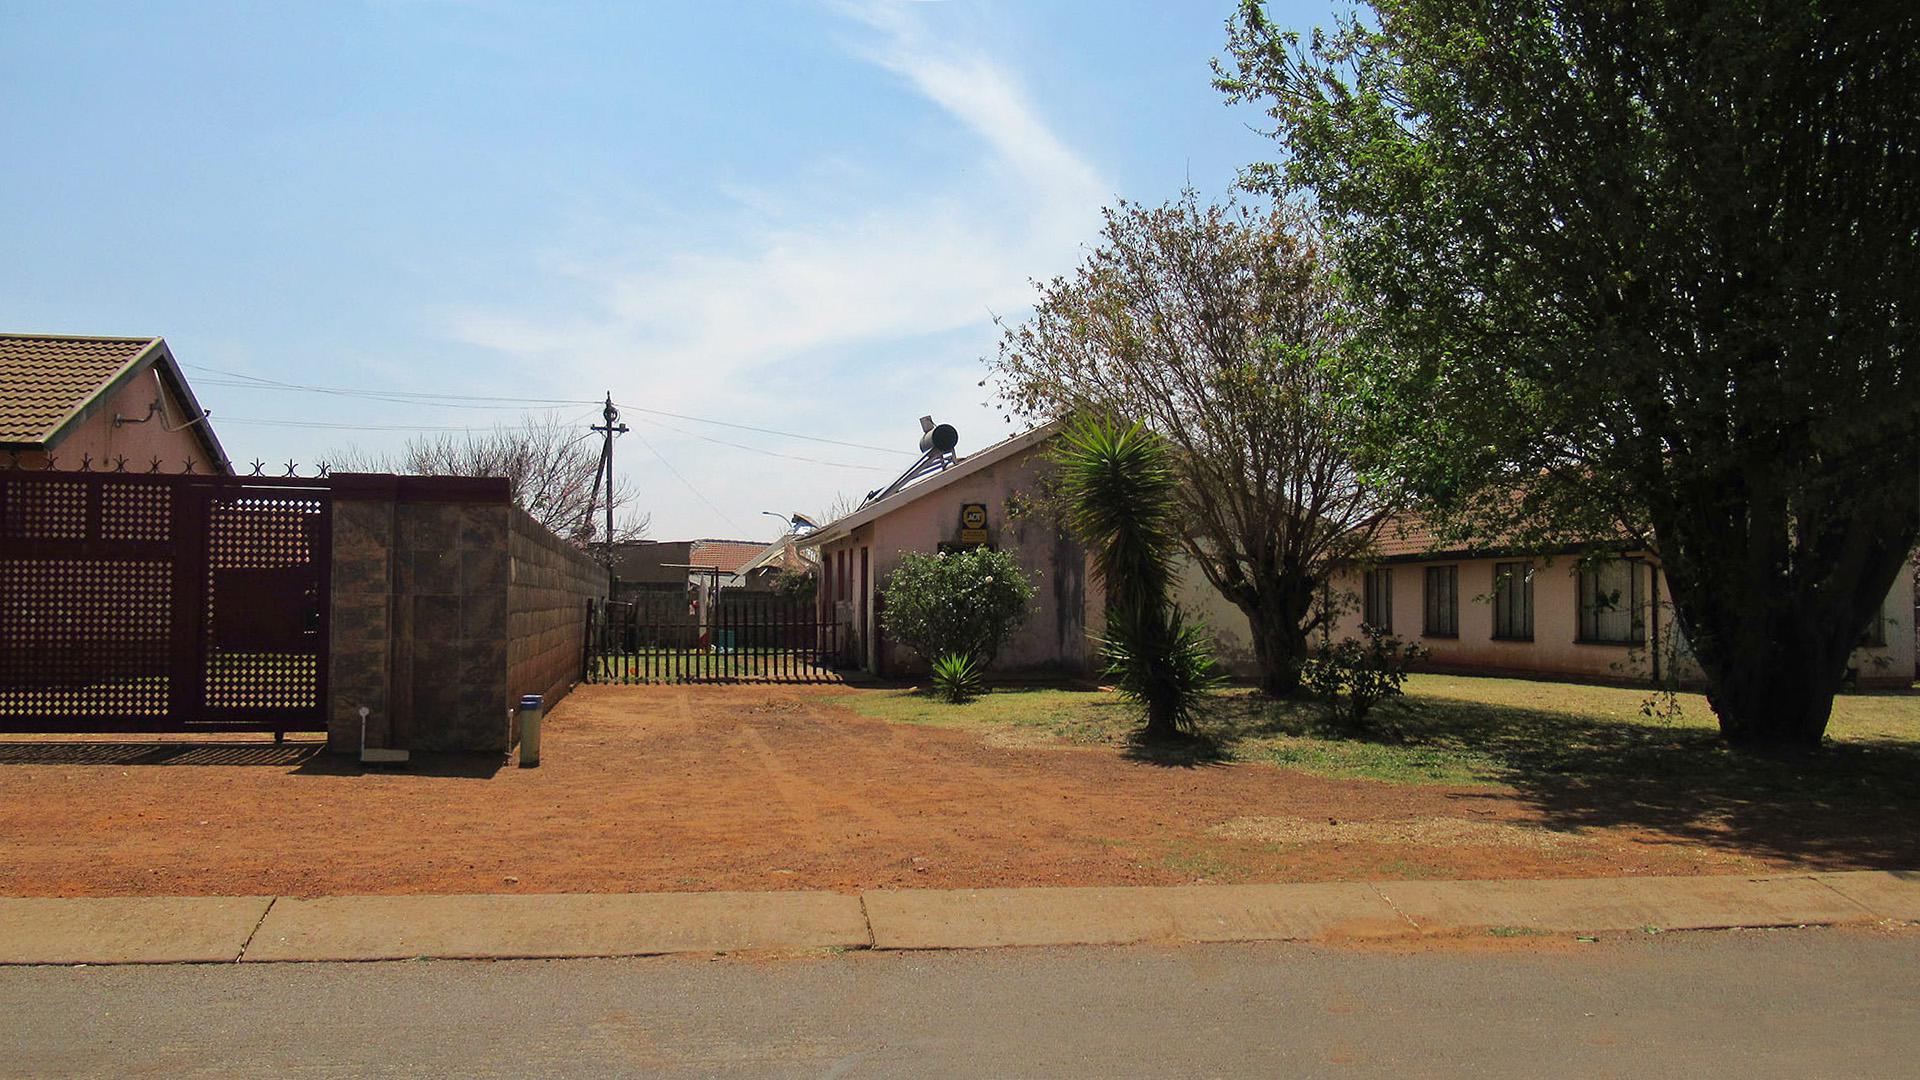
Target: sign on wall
[(973, 524)]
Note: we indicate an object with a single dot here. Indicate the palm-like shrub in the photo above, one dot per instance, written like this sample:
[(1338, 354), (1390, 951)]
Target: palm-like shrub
[(1118, 485), (956, 678)]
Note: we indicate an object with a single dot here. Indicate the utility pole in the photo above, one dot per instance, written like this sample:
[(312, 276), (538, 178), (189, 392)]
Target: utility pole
[(607, 430)]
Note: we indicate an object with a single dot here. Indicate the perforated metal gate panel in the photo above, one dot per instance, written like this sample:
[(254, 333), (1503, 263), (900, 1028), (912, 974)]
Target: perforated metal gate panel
[(162, 603)]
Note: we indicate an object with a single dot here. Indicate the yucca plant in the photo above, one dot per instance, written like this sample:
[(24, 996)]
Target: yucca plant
[(957, 679), (1118, 484)]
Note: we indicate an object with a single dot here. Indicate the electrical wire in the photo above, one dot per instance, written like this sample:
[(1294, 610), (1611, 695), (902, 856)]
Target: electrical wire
[(326, 426), (697, 493), (762, 450), (484, 401)]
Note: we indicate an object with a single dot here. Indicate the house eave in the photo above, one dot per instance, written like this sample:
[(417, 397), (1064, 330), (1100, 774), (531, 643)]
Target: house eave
[(960, 470)]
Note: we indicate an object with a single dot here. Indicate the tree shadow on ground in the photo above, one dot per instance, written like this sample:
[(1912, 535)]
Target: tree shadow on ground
[(285, 755), (1851, 804), (1195, 751)]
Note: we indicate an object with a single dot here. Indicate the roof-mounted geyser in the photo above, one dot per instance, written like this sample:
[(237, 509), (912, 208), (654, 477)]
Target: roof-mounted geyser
[(936, 452)]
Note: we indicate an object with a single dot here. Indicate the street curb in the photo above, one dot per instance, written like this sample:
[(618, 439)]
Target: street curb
[(149, 930), (555, 925), (128, 929)]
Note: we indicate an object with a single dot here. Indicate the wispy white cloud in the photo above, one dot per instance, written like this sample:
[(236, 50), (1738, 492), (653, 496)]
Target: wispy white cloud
[(806, 274)]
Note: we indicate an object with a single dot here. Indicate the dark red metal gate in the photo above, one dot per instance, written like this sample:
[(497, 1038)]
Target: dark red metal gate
[(162, 603)]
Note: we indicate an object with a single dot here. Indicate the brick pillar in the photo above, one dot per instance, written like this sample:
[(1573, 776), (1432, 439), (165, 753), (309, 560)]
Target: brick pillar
[(360, 654), (419, 635)]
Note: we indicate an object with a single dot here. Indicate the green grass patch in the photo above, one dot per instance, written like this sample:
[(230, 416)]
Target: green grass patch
[(1465, 730)]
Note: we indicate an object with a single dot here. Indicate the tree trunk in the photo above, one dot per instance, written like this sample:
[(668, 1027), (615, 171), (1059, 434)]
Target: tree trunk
[(1773, 640), (1772, 666), (1160, 724), (1775, 707), (1279, 643)]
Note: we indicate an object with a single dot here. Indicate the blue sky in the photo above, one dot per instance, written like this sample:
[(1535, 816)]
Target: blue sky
[(799, 216)]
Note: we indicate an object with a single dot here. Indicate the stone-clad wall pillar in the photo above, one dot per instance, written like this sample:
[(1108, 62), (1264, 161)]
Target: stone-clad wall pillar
[(419, 629), (359, 660)]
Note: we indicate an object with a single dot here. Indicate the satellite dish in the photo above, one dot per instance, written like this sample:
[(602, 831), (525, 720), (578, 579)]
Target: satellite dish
[(941, 438)]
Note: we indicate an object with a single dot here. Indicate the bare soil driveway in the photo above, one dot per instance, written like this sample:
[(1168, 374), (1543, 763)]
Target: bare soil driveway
[(750, 787)]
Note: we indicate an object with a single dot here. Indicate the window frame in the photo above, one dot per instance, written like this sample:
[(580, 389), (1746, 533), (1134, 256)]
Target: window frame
[(1636, 603), (1377, 590), (1450, 573), (1503, 572)]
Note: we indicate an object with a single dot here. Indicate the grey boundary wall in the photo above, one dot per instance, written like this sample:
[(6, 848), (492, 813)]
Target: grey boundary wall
[(550, 582), (447, 604)]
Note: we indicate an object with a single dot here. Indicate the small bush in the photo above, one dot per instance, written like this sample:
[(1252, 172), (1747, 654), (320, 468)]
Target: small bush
[(966, 602), (956, 678), (1362, 671), (1179, 672)]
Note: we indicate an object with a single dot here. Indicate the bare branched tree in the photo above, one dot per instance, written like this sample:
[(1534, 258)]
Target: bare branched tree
[(1218, 328), (841, 505), (550, 465)]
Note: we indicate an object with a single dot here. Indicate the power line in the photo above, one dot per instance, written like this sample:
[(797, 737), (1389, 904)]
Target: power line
[(763, 430), (321, 425), (409, 395), (769, 453), (484, 401), (697, 493)]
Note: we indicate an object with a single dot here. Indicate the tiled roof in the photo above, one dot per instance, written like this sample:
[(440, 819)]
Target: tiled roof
[(728, 555), (1408, 536), (44, 378), (1403, 535)]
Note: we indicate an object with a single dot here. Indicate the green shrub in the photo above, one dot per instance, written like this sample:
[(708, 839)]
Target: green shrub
[(1175, 670), (1363, 671), (956, 678), (966, 602)]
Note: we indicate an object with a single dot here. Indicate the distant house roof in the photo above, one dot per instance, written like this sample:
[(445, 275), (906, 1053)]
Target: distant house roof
[(954, 473), (49, 383), (727, 556), (782, 554), (1409, 537)]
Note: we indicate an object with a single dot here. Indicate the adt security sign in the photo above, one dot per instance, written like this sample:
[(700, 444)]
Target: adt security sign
[(973, 524)]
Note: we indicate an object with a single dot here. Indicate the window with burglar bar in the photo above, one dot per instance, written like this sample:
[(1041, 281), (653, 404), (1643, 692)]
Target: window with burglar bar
[(1379, 599), (1611, 603), (1442, 602), (1513, 601)]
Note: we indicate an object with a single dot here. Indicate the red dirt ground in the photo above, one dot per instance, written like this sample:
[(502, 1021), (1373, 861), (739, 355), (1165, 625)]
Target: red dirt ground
[(738, 787)]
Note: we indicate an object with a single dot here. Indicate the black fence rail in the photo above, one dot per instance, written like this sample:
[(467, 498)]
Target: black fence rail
[(744, 637)]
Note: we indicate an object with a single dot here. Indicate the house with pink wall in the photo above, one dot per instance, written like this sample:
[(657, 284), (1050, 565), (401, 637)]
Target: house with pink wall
[(1556, 615), (857, 552), (1600, 612), (99, 402)]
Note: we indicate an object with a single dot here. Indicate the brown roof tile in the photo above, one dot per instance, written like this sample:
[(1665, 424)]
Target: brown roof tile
[(1404, 535), (728, 555), (44, 378)]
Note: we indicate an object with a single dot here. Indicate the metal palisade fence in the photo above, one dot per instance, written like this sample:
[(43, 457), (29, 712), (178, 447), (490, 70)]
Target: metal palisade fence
[(744, 636)]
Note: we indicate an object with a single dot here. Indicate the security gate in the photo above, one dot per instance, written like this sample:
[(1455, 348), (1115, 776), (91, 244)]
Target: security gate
[(745, 637), (146, 603)]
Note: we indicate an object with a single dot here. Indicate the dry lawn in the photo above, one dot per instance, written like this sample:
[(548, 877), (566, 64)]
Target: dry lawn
[(757, 787)]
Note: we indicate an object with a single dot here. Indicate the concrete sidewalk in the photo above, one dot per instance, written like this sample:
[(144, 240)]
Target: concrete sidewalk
[(348, 928)]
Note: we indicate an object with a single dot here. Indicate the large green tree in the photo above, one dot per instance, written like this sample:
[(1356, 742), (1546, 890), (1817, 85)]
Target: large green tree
[(1218, 329), (1650, 265)]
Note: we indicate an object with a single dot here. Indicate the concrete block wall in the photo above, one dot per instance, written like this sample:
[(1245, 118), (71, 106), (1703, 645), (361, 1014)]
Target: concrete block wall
[(549, 584), (419, 629)]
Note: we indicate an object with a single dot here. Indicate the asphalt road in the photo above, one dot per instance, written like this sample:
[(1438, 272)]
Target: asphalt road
[(1798, 1003)]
